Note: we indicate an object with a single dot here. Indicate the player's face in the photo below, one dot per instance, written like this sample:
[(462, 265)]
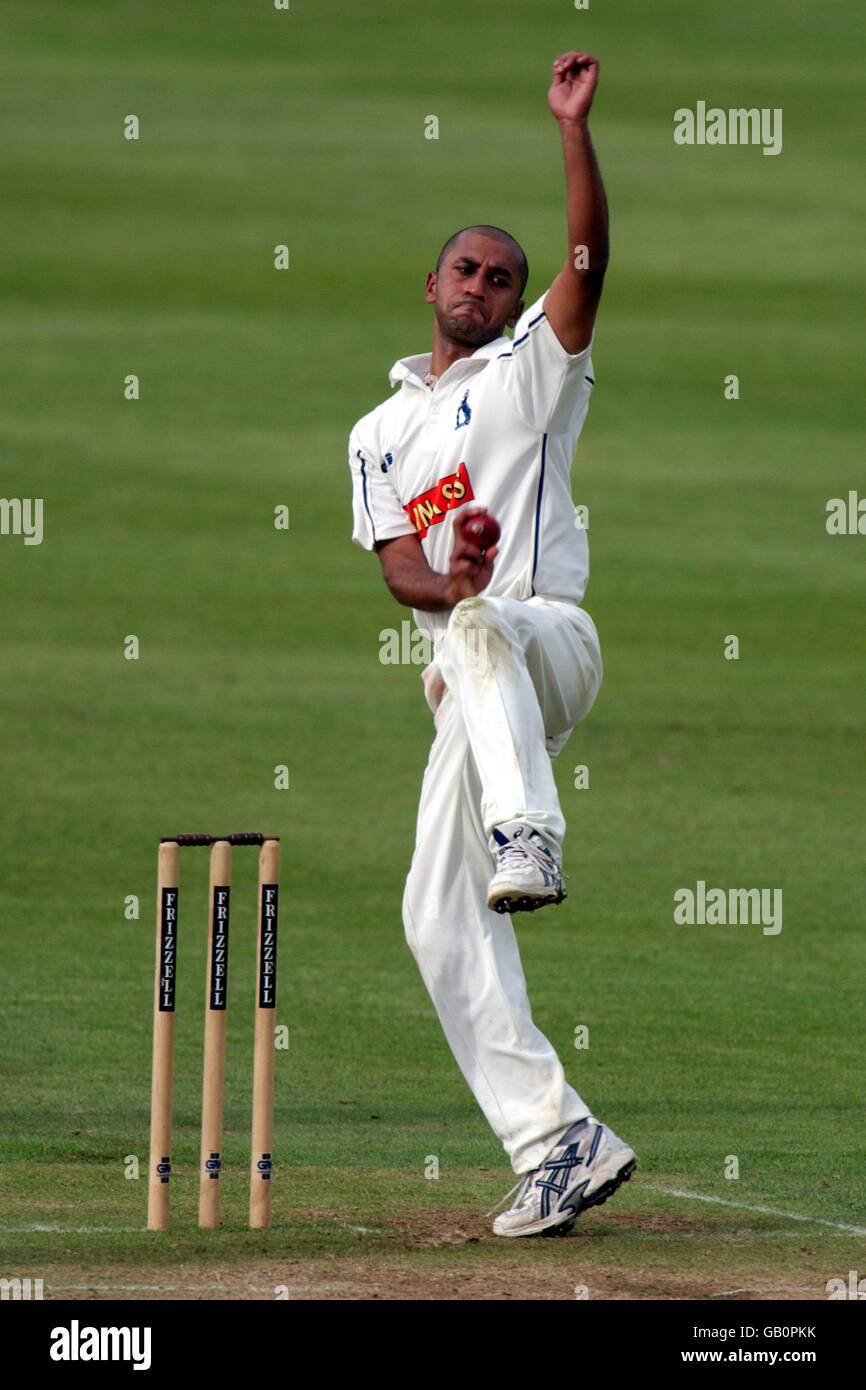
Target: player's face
[(477, 290)]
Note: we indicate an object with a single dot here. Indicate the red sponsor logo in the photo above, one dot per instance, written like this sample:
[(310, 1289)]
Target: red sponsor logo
[(429, 508)]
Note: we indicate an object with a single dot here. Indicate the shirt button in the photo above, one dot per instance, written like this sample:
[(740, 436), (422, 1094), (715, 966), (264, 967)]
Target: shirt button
[(434, 410)]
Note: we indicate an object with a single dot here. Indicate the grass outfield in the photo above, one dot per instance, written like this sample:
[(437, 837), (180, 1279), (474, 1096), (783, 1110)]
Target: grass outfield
[(259, 647)]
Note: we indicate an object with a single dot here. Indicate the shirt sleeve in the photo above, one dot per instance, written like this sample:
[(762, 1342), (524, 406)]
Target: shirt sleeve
[(378, 513), (550, 387)]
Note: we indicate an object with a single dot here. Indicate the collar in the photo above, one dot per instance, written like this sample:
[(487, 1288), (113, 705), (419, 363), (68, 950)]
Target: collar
[(415, 369)]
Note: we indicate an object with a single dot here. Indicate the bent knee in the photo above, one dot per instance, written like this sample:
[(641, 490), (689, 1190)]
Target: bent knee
[(474, 612), (476, 636)]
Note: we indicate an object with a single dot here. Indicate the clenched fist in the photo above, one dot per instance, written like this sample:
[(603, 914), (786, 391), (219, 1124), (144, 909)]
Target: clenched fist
[(574, 80)]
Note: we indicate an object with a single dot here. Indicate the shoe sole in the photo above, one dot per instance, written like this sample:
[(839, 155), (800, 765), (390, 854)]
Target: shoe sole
[(524, 903), (554, 1227)]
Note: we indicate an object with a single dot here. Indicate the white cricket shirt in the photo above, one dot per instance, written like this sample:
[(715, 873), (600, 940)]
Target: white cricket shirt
[(498, 430)]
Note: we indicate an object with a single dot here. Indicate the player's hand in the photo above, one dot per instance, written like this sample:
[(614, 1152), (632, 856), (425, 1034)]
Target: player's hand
[(574, 80), (471, 569)]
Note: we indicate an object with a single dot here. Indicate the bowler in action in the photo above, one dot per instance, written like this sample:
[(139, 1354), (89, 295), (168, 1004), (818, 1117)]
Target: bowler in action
[(486, 423)]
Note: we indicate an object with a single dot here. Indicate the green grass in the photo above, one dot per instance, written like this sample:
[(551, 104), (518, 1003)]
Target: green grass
[(260, 647)]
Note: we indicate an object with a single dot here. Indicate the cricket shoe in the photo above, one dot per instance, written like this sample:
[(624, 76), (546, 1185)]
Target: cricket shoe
[(587, 1166), (527, 875)]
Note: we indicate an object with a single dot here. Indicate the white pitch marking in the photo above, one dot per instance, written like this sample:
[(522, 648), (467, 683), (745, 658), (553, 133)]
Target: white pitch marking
[(108, 1230), (123, 1288), (766, 1211), (68, 1230), (784, 1288), (193, 1288)]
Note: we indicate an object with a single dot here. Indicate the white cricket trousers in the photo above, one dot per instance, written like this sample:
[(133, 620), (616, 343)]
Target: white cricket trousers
[(519, 675)]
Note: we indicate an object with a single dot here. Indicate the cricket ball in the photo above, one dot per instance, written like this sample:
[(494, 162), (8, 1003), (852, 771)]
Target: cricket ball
[(481, 530)]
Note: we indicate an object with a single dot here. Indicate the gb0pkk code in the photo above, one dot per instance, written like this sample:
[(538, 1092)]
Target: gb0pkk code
[(722, 1334)]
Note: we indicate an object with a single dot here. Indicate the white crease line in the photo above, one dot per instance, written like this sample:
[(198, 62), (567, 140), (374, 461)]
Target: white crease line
[(783, 1288), (194, 1288), (107, 1230), (766, 1211), (68, 1230), (123, 1288), (366, 1230)]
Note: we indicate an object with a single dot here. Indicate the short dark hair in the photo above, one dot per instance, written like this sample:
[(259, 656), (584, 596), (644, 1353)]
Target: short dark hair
[(500, 235)]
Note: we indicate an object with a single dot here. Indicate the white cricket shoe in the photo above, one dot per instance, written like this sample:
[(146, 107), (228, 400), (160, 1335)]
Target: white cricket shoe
[(527, 875), (585, 1168)]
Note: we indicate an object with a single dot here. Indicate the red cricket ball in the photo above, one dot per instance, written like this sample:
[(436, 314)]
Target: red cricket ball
[(482, 530)]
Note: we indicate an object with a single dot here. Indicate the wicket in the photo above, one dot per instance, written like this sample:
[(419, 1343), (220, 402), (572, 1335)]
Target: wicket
[(213, 1086)]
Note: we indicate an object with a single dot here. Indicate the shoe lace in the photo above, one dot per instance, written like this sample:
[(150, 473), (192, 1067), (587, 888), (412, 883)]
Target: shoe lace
[(517, 850), (512, 855), (521, 1183)]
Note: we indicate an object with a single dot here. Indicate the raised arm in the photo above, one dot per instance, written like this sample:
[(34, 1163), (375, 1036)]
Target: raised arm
[(414, 583), (572, 300)]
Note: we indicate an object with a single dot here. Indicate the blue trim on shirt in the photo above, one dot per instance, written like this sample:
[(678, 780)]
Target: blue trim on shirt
[(529, 329), (366, 503), (590, 379), (538, 511)]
